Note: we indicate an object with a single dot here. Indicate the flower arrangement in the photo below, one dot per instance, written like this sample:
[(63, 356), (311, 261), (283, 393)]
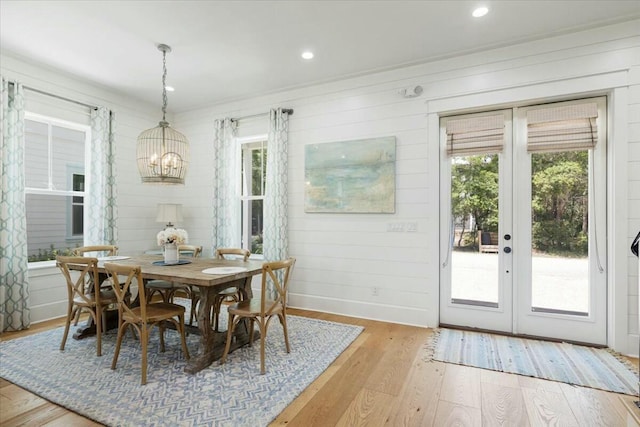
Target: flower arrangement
[(172, 236)]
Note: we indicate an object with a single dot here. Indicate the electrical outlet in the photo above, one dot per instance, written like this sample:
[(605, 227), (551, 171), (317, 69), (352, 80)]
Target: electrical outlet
[(375, 291)]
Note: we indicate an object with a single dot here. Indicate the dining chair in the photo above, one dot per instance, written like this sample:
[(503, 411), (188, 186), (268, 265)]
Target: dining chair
[(231, 293), (95, 251), (143, 317), (83, 295), (263, 308), (168, 289)]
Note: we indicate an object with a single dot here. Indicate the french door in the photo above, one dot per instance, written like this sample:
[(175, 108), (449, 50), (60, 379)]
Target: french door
[(523, 205)]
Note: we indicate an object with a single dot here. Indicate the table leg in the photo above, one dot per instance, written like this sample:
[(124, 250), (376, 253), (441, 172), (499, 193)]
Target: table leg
[(211, 345)]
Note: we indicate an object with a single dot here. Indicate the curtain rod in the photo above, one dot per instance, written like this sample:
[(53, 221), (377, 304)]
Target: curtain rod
[(41, 92), (289, 111)]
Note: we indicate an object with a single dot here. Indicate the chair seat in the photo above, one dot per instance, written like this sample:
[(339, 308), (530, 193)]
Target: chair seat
[(252, 307), (156, 311)]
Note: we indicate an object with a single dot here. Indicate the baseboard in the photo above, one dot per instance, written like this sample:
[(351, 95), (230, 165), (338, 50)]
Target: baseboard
[(363, 310)]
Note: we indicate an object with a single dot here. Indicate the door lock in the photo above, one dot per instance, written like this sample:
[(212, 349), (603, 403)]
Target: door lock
[(507, 250)]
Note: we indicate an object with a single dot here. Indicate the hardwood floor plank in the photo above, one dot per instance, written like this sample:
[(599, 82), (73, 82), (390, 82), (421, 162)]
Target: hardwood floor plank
[(391, 373), (503, 406), (16, 401), (417, 403), (305, 397), (369, 409), (71, 419), (539, 383), (548, 408), (462, 386), (332, 400), (591, 407), (499, 378), (451, 414)]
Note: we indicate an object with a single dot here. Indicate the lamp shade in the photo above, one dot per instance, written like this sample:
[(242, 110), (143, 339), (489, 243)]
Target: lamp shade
[(169, 212)]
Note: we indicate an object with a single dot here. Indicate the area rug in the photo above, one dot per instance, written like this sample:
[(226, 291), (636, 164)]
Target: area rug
[(233, 394), (568, 363)]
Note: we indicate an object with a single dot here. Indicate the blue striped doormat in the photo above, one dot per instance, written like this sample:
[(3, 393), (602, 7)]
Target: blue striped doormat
[(568, 363)]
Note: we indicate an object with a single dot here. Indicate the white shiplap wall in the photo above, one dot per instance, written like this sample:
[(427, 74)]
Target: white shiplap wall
[(351, 264), (342, 259)]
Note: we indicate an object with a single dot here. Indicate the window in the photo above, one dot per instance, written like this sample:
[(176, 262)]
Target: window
[(253, 178), (54, 185)]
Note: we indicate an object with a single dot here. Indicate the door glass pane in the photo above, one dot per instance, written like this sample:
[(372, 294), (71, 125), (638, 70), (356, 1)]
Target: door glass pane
[(474, 202), (560, 200)]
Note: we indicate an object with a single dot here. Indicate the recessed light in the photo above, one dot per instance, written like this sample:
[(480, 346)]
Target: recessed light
[(307, 55), (481, 11), (169, 88)]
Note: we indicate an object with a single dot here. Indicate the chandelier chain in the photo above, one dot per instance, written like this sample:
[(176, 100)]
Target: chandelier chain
[(164, 85)]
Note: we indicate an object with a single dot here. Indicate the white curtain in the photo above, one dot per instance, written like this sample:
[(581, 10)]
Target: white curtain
[(101, 207), (14, 273), (226, 201), (276, 238), (276, 242)]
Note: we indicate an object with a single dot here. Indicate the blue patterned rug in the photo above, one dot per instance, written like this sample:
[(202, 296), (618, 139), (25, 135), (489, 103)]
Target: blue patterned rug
[(234, 394), (568, 363)]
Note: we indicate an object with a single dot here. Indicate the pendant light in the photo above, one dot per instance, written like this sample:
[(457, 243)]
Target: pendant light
[(163, 152)]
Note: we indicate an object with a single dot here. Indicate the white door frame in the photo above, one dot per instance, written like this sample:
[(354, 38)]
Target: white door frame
[(613, 84)]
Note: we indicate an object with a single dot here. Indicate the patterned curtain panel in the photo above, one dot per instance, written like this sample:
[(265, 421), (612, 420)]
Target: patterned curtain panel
[(101, 207), (14, 273), (226, 202), (276, 239)]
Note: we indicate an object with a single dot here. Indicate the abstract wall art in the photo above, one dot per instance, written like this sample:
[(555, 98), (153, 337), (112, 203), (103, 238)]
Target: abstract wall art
[(351, 176)]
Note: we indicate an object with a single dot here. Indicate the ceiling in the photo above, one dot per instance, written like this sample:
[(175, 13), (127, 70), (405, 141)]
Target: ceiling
[(226, 50)]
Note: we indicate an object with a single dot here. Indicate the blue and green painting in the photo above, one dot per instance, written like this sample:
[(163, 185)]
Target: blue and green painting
[(351, 176)]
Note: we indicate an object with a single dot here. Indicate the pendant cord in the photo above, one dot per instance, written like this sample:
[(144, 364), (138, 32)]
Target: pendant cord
[(164, 85)]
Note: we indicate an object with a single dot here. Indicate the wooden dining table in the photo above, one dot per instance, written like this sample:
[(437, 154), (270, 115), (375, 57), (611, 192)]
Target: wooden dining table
[(211, 344)]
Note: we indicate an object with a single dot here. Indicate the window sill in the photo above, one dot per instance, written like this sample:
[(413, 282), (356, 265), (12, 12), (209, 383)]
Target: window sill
[(40, 265)]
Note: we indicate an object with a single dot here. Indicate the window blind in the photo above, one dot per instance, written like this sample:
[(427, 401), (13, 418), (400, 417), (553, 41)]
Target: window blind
[(475, 135), (566, 128)]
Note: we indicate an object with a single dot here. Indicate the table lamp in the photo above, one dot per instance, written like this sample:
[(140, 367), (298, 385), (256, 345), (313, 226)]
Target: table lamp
[(169, 212)]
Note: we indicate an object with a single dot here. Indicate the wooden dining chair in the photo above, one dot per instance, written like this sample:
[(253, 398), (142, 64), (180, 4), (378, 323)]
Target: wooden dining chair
[(95, 251), (261, 309), (231, 293), (143, 317), (168, 289), (84, 295)]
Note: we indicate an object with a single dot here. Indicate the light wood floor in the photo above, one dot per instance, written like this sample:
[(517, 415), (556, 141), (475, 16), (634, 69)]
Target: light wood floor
[(384, 379)]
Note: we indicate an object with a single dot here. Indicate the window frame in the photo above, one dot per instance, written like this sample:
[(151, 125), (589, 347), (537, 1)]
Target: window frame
[(71, 170), (245, 176)]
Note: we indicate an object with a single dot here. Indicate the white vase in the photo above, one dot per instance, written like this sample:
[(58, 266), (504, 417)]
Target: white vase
[(170, 254)]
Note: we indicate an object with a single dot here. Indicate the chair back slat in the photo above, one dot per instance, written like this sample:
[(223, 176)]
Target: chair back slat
[(244, 253), (123, 289), (83, 287), (104, 250), (194, 251)]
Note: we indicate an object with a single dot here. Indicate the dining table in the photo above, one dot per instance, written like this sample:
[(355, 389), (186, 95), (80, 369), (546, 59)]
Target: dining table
[(210, 276)]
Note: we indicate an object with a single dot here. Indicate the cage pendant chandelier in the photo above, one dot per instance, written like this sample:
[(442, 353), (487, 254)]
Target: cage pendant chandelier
[(162, 152)]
